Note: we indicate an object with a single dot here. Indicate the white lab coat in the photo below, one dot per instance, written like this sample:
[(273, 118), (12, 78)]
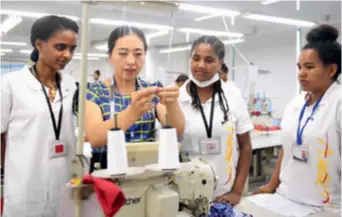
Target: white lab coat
[(33, 182), (322, 139), (239, 122), (317, 182)]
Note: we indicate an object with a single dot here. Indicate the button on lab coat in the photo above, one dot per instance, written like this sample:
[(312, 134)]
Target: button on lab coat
[(318, 181), (33, 182)]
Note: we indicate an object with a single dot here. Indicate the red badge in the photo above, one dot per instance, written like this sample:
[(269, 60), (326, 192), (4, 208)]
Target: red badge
[(59, 148)]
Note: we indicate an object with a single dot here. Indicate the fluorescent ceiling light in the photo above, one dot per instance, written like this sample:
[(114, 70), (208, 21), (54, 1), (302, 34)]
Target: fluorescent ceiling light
[(234, 41), (9, 24), (280, 20), (206, 17), (13, 43), (268, 2), (208, 10), (102, 47), (157, 34), (297, 5), (76, 55), (6, 50), (26, 51), (89, 58), (2, 54), (210, 32), (178, 49), (129, 23), (93, 54), (32, 14)]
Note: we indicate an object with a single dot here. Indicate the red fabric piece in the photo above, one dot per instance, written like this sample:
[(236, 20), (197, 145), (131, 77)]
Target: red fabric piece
[(109, 196), (1, 205)]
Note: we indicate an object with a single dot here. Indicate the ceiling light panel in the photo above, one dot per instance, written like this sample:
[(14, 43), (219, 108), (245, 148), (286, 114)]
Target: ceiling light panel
[(208, 10), (93, 54), (89, 58), (234, 41), (157, 34), (32, 14), (176, 49), (210, 32), (268, 2), (6, 50), (102, 47), (279, 20), (129, 23), (9, 24), (207, 17), (25, 51), (12, 43), (179, 49)]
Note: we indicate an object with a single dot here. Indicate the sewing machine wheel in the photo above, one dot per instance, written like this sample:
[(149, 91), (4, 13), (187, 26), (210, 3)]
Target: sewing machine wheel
[(131, 173)]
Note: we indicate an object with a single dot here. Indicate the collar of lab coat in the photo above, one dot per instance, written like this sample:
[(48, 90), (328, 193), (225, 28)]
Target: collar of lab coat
[(299, 103), (36, 85), (185, 97)]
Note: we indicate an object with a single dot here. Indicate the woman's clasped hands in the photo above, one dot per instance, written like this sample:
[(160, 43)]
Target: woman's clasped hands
[(142, 100)]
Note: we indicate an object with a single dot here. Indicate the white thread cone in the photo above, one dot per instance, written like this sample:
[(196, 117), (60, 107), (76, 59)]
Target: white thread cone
[(168, 158), (117, 163)]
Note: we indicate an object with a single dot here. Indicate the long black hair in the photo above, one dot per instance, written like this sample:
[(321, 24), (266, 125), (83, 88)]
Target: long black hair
[(219, 49)]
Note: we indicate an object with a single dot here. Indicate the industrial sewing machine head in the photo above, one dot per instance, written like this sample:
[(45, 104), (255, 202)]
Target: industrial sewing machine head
[(152, 192)]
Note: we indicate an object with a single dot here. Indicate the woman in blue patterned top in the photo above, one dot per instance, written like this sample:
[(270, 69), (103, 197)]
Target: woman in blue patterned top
[(135, 101)]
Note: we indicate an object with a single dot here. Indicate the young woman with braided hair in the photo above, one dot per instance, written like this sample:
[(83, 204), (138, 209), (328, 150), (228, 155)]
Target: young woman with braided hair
[(217, 120)]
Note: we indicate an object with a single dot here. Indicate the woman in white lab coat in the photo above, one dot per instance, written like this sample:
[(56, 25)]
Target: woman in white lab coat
[(217, 120), (308, 170), (36, 115)]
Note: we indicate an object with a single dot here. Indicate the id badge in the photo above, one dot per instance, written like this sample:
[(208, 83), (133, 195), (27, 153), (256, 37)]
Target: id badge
[(210, 146), (58, 149), (300, 153)]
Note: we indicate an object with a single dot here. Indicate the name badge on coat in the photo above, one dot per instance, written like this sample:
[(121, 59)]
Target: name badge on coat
[(58, 149), (300, 153), (210, 146)]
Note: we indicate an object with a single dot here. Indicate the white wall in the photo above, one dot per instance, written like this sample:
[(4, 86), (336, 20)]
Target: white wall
[(74, 69), (280, 83), (166, 67)]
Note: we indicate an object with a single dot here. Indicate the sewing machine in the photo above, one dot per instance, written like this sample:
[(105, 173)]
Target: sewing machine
[(151, 192)]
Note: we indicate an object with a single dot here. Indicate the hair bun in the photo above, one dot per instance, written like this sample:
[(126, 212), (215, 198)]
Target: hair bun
[(34, 55), (322, 33)]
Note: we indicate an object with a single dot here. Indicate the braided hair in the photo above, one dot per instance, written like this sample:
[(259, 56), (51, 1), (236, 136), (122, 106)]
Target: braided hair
[(219, 49)]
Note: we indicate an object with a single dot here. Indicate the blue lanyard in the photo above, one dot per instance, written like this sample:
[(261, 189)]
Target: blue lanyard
[(301, 130)]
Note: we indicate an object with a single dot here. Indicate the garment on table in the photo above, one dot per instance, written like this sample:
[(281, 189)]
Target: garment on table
[(225, 210)]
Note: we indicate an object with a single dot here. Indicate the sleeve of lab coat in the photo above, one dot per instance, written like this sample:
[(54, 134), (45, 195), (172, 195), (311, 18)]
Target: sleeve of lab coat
[(244, 122), (6, 103), (338, 127)]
